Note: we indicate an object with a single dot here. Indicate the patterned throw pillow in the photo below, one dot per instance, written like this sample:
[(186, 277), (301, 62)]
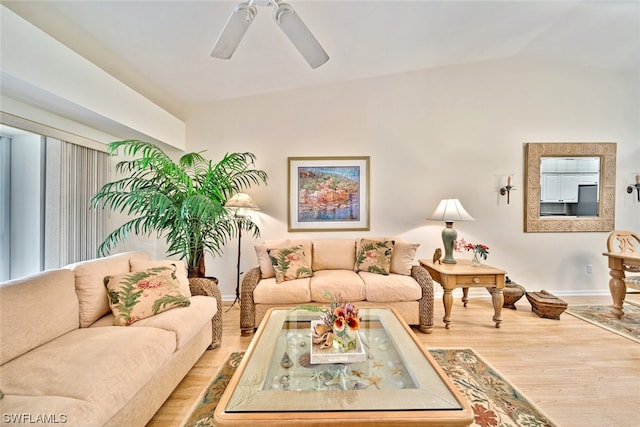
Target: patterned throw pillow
[(138, 295), (374, 256), (290, 263)]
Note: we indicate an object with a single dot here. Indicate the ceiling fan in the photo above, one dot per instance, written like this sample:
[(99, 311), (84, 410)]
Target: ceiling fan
[(244, 13)]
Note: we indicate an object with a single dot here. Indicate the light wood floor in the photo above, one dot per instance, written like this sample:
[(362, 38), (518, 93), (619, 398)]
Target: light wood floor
[(577, 373)]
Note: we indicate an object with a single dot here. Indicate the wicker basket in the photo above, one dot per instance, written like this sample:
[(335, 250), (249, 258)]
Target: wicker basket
[(512, 293)]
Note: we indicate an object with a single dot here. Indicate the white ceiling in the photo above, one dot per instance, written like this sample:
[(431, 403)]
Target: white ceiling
[(161, 48)]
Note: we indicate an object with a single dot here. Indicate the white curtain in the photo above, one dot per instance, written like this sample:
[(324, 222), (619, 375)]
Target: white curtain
[(73, 231)]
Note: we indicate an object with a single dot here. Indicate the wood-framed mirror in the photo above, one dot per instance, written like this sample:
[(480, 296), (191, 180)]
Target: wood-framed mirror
[(587, 170)]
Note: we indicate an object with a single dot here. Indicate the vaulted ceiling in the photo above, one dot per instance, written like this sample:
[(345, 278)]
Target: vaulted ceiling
[(161, 48)]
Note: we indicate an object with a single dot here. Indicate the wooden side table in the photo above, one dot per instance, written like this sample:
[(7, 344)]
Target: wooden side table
[(464, 275)]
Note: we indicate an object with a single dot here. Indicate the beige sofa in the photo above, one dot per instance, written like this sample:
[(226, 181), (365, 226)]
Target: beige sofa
[(64, 363), (408, 288)]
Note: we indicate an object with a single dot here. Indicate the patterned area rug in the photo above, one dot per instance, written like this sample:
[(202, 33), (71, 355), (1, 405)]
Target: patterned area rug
[(202, 412), (494, 400), (628, 326)]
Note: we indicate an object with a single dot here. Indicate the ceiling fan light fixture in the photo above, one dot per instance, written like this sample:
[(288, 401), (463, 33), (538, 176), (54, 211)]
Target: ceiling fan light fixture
[(300, 35), (290, 23), (234, 30)]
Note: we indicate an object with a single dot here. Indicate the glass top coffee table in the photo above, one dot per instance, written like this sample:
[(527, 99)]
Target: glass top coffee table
[(398, 382)]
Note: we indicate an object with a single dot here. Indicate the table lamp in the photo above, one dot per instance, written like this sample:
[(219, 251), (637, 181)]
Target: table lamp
[(450, 210), (241, 203)]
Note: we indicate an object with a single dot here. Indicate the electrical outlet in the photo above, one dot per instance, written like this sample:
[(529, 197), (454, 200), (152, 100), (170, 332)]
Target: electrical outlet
[(588, 268)]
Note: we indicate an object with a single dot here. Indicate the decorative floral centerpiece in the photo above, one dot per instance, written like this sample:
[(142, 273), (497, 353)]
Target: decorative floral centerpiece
[(339, 324), (479, 250)]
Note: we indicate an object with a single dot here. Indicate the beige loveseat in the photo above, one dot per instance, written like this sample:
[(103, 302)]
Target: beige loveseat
[(64, 363), (408, 288)]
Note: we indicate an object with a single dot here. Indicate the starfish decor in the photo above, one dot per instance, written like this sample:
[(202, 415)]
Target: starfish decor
[(375, 380)]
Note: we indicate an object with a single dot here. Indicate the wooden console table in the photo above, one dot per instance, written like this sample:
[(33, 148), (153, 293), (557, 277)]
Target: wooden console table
[(464, 275), (617, 287)]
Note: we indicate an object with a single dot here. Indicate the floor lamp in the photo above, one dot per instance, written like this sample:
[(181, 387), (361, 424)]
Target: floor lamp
[(240, 203)]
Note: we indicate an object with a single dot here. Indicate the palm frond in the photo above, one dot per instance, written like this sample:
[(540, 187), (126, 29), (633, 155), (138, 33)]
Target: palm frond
[(182, 201)]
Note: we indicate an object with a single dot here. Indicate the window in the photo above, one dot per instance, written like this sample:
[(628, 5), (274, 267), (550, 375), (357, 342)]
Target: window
[(45, 219), (5, 192)]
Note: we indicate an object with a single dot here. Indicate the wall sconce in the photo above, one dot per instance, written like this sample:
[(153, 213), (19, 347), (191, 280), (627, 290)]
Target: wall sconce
[(636, 186), (506, 190)]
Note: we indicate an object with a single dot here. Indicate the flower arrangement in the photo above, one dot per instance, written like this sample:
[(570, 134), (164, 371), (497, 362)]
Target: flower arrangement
[(482, 250), (479, 250), (338, 317), (340, 322)]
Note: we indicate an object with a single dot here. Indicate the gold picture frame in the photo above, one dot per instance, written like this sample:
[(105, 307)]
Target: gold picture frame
[(328, 193)]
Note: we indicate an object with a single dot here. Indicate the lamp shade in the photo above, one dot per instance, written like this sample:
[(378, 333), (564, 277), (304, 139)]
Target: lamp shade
[(242, 201), (450, 210)]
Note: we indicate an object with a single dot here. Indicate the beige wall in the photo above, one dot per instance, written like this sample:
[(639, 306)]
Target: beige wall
[(449, 132), (38, 70)]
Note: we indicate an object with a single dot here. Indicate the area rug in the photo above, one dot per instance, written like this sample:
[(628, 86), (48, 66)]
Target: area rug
[(495, 402), (600, 315), (202, 413)]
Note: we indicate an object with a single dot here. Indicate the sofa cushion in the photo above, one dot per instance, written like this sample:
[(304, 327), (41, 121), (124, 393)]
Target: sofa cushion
[(402, 257), (92, 294), (344, 285), (140, 264), (391, 288), (56, 410), (290, 263), (359, 241), (334, 254), (291, 292), (36, 309), (118, 361), (374, 256), (185, 322), (264, 262), (138, 295)]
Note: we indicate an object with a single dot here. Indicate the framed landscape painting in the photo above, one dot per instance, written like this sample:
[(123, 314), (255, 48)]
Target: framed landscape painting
[(328, 193)]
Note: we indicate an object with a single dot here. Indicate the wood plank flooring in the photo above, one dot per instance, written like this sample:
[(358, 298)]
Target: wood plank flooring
[(577, 373)]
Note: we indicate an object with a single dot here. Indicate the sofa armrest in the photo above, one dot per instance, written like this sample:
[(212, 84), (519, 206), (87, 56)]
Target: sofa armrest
[(208, 286), (425, 281), (247, 305)]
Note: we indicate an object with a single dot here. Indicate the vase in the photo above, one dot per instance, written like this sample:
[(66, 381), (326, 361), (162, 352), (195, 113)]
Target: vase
[(475, 261), (344, 340)]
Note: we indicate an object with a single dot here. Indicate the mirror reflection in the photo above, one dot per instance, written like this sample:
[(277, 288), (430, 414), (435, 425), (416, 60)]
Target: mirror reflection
[(569, 186), (560, 181)]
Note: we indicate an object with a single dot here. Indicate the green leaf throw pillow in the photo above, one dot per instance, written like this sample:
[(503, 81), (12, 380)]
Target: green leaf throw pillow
[(138, 295), (374, 256), (290, 263)]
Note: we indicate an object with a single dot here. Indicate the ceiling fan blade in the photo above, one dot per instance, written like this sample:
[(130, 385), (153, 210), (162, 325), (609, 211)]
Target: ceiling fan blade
[(300, 35), (233, 31)]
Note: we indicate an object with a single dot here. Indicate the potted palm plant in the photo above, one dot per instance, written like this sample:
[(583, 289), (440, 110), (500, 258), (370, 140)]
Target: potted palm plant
[(182, 201)]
